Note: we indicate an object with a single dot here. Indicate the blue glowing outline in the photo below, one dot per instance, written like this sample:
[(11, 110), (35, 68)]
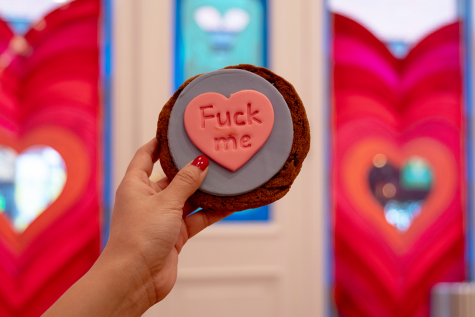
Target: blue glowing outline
[(465, 13), (329, 247), (262, 215), (106, 76)]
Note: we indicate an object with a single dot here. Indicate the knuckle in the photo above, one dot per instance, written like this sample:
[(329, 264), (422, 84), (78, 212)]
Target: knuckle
[(187, 176)]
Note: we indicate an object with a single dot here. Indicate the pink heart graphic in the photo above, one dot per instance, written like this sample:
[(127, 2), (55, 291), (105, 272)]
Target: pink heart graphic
[(229, 131)]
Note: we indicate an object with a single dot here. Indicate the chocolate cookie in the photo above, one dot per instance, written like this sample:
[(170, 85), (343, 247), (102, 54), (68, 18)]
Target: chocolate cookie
[(252, 126)]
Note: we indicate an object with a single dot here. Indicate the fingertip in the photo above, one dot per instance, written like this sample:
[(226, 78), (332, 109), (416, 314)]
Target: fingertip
[(201, 162)]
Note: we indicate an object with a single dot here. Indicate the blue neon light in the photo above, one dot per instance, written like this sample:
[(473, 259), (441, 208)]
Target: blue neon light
[(107, 73)]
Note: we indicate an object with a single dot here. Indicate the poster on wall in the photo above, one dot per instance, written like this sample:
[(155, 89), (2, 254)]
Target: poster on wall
[(50, 150), (398, 147), (213, 34)]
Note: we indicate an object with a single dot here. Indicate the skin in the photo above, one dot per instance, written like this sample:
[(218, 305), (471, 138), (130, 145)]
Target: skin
[(151, 223)]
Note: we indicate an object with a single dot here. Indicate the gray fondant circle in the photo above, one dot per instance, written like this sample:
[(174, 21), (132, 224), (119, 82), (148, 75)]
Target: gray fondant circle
[(264, 164)]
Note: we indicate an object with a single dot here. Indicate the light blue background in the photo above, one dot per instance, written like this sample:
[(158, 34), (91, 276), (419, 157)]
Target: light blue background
[(194, 46), (194, 54)]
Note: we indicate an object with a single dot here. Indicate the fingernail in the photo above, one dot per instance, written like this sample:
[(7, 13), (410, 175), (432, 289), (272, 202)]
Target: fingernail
[(201, 162)]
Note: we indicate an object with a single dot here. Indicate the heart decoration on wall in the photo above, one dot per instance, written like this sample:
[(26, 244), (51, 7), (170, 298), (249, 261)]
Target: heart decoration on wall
[(72, 151), (388, 114), (49, 99), (356, 167), (29, 183), (401, 191)]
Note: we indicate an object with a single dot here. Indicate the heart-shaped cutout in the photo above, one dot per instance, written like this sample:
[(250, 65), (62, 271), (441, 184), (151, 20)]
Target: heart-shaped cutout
[(229, 131), (401, 192), (360, 160), (78, 167), (29, 183)]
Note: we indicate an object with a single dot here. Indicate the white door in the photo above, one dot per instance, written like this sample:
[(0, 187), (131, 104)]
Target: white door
[(272, 269)]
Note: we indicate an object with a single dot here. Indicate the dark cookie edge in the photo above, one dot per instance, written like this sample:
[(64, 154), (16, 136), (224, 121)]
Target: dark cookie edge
[(278, 185)]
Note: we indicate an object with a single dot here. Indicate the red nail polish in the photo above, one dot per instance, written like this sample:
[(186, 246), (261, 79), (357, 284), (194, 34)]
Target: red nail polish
[(201, 162)]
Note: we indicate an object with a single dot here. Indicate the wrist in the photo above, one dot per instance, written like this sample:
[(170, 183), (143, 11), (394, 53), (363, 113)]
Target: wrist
[(129, 284)]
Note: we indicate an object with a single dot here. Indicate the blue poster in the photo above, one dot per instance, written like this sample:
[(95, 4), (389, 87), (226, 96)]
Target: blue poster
[(212, 34)]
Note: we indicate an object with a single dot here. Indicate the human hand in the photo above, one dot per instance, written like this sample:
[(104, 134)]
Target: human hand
[(151, 222)]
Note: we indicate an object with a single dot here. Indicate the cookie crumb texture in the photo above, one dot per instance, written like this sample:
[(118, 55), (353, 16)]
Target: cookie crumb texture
[(278, 185)]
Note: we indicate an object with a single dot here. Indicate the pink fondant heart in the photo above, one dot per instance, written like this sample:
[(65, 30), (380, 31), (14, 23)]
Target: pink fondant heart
[(229, 131)]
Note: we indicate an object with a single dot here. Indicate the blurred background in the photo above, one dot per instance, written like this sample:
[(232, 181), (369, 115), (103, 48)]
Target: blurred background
[(380, 221)]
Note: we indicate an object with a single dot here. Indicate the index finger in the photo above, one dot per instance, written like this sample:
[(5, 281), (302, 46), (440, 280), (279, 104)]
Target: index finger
[(145, 157)]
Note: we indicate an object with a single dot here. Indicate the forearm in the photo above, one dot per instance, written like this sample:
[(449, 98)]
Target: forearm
[(113, 287)]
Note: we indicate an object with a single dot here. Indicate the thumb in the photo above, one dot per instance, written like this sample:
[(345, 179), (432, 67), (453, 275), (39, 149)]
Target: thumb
[(186, 181)]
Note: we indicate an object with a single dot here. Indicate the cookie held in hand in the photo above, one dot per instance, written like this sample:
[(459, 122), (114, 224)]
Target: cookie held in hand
[(252, 126)]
